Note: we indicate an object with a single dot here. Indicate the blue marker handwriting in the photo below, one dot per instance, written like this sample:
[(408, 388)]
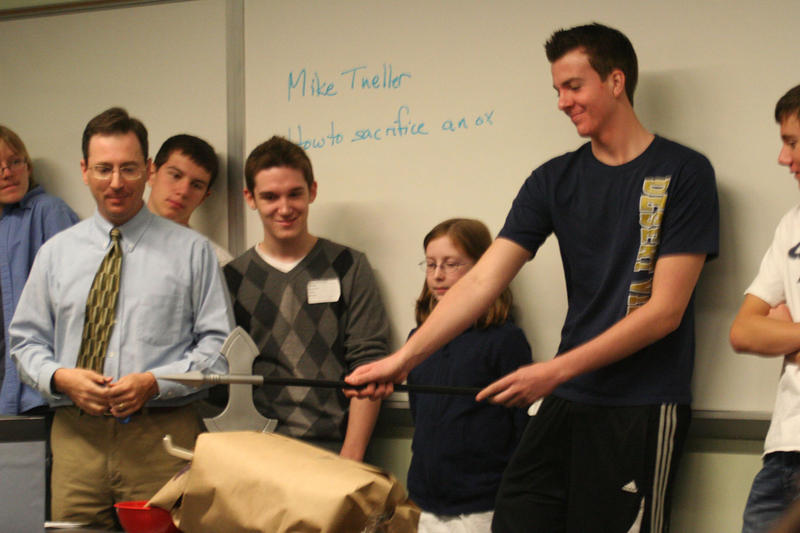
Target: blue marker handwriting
[(403, 125), (359, 78)]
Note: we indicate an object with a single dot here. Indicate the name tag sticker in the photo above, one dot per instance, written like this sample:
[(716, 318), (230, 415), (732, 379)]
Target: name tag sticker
[(321, 291)]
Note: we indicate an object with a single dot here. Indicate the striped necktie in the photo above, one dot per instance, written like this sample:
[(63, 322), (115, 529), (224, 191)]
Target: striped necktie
[(100, 307)]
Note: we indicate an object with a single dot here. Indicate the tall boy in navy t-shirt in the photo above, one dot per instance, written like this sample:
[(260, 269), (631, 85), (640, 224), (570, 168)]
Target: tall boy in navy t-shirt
[(636, 217)]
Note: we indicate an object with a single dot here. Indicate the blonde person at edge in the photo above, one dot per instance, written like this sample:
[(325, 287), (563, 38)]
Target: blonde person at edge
[(636, 218), (461, 447), (767, 324), (28, 217), (184, 171), (311, 305)]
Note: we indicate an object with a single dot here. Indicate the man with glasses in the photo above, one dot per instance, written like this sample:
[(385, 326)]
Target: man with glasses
[(111, 304), (311, 305)]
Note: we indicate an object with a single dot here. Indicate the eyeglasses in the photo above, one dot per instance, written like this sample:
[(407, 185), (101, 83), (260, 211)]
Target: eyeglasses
[(448, 267), (12, 165), (128, 172)]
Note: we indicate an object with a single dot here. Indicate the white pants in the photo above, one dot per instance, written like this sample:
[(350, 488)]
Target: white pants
[(465, 523)]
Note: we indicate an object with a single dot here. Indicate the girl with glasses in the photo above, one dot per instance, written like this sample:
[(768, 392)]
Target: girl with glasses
[(460, 447)]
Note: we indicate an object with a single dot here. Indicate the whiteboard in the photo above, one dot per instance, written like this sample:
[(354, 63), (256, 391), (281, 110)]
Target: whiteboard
[(343, 78), (710, 73)]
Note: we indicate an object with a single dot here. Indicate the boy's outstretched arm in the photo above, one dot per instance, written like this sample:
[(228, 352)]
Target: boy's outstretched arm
[(463, 304)]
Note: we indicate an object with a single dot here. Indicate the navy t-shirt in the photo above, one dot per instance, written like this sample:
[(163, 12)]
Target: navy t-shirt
[(612, 223), (461, 447)]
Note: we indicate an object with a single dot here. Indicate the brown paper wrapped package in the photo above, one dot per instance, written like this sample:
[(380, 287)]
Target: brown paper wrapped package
[(248, 481)]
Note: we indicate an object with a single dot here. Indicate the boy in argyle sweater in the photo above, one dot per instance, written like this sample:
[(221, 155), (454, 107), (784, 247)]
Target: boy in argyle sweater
[(311, 305)]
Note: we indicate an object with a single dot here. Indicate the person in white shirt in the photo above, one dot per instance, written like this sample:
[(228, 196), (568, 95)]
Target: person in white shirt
[(767, 325)]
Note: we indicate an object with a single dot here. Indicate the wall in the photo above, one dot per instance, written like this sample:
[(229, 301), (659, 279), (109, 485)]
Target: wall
[(710, 74), (476, 66), (344, 78)]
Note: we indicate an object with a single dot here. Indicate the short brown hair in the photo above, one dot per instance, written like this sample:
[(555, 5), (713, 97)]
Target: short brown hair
[(788, 105), (114, 121), (192, 147), (472, 237), (15, 144), (607, 48), (277, 152)]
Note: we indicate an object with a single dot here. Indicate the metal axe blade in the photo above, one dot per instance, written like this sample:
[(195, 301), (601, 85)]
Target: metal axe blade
[(240, 413)]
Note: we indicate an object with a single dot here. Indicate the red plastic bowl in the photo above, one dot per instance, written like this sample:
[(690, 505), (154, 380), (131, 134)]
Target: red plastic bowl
[(137, 517)]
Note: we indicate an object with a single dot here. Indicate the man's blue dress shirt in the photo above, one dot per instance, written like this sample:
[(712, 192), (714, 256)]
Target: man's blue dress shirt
[(173, 312)]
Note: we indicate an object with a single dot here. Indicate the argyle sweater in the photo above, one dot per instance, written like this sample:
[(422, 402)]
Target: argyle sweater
[(306, 332)]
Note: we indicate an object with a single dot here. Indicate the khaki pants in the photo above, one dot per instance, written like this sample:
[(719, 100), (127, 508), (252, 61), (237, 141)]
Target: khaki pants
[(98, 460)]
